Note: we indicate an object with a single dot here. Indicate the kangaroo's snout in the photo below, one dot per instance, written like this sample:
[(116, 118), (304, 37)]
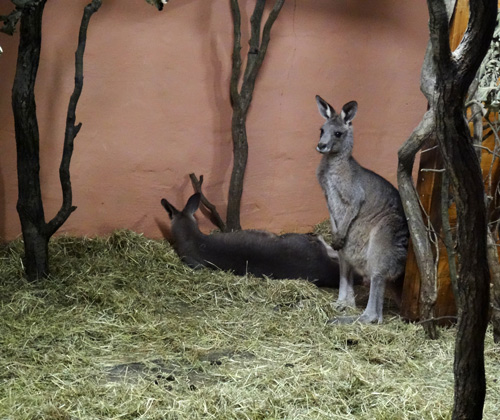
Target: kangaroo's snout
[(322, 147)]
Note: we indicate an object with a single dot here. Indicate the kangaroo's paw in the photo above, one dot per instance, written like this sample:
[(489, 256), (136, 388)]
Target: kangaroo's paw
[(371, 317), (344, 304)]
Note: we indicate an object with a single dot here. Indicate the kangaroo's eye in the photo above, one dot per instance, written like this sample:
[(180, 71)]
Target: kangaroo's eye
[(338, 134)]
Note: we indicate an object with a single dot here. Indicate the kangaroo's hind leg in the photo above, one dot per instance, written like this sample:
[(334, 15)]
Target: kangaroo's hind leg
[(346, 297), (374, 309), (373, 312), (384, 265)]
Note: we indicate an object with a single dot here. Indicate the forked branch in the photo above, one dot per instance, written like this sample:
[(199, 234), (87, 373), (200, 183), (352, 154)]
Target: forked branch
[(241, 98)]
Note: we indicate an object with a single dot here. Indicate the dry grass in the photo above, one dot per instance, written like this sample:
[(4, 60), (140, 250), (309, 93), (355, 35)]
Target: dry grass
[(123, 330)]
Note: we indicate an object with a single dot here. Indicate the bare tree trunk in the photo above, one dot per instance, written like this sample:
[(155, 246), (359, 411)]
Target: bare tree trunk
[(473, 279), (418, 230), (36, 232), (448, 238), (240, 158), (446, 78), (454, 74), (241, 99), (29, 204)]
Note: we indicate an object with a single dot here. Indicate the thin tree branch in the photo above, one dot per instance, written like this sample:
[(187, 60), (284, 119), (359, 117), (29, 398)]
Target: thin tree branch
[(10, 21), (71, 129), (158, 3), (439, 20), (241, 100), (429, 149), (475, 43), (254, 42), (256, 62), (439, 318), (433, 170), (412, 207), (236, 58), (255, 22)]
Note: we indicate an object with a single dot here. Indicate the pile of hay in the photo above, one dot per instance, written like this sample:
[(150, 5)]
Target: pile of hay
[(123, 330)]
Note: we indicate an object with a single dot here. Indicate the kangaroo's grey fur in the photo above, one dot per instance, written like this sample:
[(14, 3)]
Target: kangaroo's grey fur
[(260, 253), (369, 227)]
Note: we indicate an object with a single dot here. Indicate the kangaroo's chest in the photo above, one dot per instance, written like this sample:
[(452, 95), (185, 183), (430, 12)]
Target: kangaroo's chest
[(339, 187)]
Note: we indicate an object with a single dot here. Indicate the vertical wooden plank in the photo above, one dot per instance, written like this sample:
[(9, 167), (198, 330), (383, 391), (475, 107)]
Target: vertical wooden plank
[(429, 190)]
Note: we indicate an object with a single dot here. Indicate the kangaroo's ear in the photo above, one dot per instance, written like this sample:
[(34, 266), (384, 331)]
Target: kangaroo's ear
[(325, 109), (349, 111), (171, 210), (193, 203)]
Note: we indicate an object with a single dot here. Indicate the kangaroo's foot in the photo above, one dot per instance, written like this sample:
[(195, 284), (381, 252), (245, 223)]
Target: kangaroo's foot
[(344, 304)]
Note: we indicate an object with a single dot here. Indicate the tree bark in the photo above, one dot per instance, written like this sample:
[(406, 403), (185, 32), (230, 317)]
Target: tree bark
[(446, 77), (418, 230), (455, 72), (240, 159), (473, 276), (29, 204), (71, 129), (242, 98), (36, 232)]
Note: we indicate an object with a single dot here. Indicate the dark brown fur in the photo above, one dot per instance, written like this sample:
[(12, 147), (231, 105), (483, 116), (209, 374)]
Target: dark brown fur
[(261, 253)]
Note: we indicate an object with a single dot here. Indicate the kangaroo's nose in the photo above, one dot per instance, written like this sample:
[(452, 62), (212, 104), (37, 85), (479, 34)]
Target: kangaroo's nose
[(321, 147)]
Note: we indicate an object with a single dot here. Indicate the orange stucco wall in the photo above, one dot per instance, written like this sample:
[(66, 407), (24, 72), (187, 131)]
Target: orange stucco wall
[(155, 107)]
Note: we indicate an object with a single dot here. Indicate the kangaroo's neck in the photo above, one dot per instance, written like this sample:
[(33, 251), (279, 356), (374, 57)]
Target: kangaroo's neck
[(187, 235), (336, 164)]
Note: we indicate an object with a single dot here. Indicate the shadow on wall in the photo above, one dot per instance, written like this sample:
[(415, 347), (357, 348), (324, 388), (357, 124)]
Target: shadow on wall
[(7, 70), (51, 139), (222, 156)]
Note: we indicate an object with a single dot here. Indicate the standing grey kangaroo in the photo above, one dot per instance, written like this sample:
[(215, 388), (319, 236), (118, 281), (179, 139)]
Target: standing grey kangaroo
[(261, 253), (369, 227)]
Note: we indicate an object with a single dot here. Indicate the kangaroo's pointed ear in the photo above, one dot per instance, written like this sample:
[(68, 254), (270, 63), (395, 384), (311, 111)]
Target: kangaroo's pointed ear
[(193, 203), (349, 111), (325, 109), (171, 210)]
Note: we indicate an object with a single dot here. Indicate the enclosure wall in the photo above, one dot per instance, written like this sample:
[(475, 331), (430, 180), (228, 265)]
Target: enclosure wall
[(155, 107)]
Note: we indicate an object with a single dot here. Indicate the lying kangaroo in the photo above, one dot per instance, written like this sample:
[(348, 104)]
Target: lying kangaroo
[(369, 227), (261, 253)]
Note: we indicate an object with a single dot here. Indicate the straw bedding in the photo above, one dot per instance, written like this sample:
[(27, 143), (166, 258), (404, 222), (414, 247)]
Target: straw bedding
[(123, 330)]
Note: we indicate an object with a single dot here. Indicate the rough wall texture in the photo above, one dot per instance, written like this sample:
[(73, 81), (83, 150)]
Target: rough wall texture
[(155, 107)]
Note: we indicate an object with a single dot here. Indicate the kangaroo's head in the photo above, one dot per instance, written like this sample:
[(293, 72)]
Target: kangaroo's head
[(183, 222), (336, 133)]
